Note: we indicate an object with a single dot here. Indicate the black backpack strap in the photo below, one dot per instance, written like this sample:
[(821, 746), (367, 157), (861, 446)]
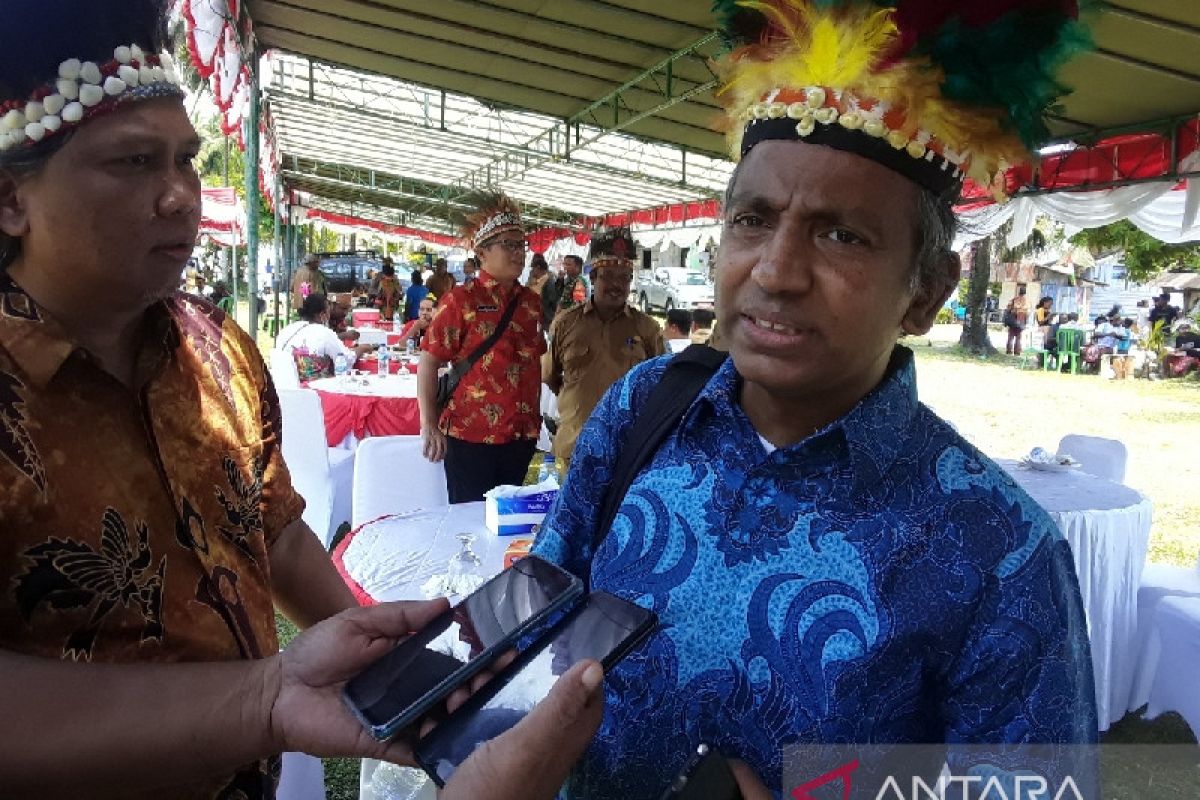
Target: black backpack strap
[(464, 366), (681, 382)]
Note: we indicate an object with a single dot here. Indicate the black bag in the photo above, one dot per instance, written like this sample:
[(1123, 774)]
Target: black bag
[(682, 381), (449, 382), (1009, 319)]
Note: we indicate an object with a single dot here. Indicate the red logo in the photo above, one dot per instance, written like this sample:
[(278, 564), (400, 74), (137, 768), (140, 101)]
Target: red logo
[(840, 773)]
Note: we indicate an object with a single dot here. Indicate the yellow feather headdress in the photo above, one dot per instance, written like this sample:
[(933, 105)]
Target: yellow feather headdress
[(910, 83)]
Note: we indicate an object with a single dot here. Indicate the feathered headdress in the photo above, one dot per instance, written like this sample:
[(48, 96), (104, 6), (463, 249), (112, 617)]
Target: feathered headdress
[(934, 89), (612, 246), (492, 214)]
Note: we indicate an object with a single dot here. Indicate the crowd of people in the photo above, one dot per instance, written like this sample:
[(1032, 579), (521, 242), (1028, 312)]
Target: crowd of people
[(1164, 345), (828, 560)]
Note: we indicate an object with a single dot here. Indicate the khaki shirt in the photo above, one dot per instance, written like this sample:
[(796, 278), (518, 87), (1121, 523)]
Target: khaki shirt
[(586, 356)]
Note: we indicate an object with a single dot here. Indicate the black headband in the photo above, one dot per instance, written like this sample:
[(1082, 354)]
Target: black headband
[(936, 175)]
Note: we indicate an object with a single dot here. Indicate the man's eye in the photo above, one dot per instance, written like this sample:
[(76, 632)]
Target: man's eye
[(138, 160), (843, 236), (747, 220)]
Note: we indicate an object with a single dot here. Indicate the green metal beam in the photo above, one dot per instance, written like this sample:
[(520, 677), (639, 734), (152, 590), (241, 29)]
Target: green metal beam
[(252, 194), (554, 143)]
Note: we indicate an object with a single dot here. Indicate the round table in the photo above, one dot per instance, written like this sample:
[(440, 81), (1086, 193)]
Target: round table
[(391, 558), (1107, 525), (369, 406)]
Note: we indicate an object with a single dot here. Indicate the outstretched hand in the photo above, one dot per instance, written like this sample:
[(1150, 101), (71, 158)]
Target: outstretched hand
[(531, 760), (308, 713)]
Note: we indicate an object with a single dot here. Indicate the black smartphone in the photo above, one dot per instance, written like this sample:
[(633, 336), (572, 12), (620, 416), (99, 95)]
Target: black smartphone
[(706, 776), (420, 672), (604, 628)]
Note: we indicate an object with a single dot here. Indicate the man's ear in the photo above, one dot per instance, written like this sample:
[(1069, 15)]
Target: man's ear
[(13, 219), (928, 300)]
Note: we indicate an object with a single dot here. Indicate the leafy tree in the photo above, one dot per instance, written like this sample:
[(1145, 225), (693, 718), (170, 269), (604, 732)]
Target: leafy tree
[(1144, 256)]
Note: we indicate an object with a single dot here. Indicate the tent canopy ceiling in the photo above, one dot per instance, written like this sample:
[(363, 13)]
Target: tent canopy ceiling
[(533, 87)]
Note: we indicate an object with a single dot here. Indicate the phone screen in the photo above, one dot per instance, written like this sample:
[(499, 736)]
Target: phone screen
[(604, 628), (404, 684)]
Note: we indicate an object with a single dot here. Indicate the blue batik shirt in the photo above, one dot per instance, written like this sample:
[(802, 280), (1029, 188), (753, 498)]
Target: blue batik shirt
[(882, 581)]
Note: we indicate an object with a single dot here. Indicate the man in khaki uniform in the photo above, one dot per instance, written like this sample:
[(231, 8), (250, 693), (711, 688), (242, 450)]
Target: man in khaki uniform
[(594, 344)]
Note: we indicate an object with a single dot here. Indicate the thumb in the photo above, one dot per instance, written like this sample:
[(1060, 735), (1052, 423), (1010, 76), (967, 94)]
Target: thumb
[(533, 758)]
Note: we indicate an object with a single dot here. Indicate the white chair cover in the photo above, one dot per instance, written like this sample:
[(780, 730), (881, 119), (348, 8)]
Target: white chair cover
[(283, 370), (1105, 458), (392, 477), (302, 778), (1159, 582), (1177, 622), (322, 475)]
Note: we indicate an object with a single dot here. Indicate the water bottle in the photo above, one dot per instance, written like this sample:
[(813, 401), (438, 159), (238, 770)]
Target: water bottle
[(410, 348), (548, 471), (382, 353), (341, 365)]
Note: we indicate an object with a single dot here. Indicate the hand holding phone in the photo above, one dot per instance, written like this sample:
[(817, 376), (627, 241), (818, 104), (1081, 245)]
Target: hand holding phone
[(605, 628), (423, 670)]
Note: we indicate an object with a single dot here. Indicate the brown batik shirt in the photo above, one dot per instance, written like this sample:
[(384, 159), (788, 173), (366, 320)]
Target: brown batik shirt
[(135, 523)]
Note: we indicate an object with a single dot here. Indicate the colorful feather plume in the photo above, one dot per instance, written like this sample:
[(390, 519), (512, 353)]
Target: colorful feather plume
[(970, 80)]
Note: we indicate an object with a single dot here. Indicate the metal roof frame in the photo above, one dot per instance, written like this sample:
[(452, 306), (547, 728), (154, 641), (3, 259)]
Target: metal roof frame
[(564, 99)]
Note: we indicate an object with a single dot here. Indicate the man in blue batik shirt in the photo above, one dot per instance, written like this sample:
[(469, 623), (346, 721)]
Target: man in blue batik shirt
[(829, 560)]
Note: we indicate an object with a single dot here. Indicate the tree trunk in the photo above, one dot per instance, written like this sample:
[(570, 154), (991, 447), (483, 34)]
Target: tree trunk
[(975, 334)]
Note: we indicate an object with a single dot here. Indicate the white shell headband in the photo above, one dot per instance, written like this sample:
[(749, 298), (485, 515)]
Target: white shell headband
[(496, 224), (84, 89)]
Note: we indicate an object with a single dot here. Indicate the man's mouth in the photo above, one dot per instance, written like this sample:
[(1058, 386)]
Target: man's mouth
[(777, 327)]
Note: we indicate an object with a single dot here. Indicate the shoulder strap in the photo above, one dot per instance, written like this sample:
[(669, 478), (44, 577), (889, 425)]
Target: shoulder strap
[(462, 367), (680, 384)]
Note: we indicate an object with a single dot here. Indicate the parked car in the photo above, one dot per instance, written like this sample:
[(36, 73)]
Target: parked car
[(344, 271), (673, 287)]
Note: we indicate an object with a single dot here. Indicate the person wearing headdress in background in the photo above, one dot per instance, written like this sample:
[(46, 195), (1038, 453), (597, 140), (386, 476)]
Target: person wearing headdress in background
[(488, 429), (830, 562), (148, 524), (594, 344)]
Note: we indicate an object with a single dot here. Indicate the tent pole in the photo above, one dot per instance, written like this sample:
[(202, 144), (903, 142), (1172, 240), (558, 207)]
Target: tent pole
[(277, 270), (233, 274), (252, 193)]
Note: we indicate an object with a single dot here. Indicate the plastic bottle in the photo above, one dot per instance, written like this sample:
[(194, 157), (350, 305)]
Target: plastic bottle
[(383, 360), (548, 471), (341, 365), (410, 348)]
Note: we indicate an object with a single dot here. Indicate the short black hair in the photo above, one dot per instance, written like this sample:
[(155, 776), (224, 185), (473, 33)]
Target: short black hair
[(313, 306), (703, 318), (680, 319), (417, 278), (574, 259)]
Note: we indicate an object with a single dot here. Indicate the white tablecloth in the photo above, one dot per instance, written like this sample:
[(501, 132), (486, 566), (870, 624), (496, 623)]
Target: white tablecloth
[(1107, 525), (402, 384), (391, 559)]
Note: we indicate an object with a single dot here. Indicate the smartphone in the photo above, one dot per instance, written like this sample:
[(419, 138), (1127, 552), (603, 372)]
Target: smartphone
[(706, 776), (604, 628), (421, 671)]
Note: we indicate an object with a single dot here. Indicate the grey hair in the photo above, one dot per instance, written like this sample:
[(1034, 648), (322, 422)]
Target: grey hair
[(936, 227)]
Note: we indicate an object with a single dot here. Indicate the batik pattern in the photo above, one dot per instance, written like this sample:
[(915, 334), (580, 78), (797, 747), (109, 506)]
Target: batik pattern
[(881, 581)]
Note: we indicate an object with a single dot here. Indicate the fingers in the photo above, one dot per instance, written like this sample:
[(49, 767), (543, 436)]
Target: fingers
[(749, 784), (532, 759), (460, 695), (394, 620)]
